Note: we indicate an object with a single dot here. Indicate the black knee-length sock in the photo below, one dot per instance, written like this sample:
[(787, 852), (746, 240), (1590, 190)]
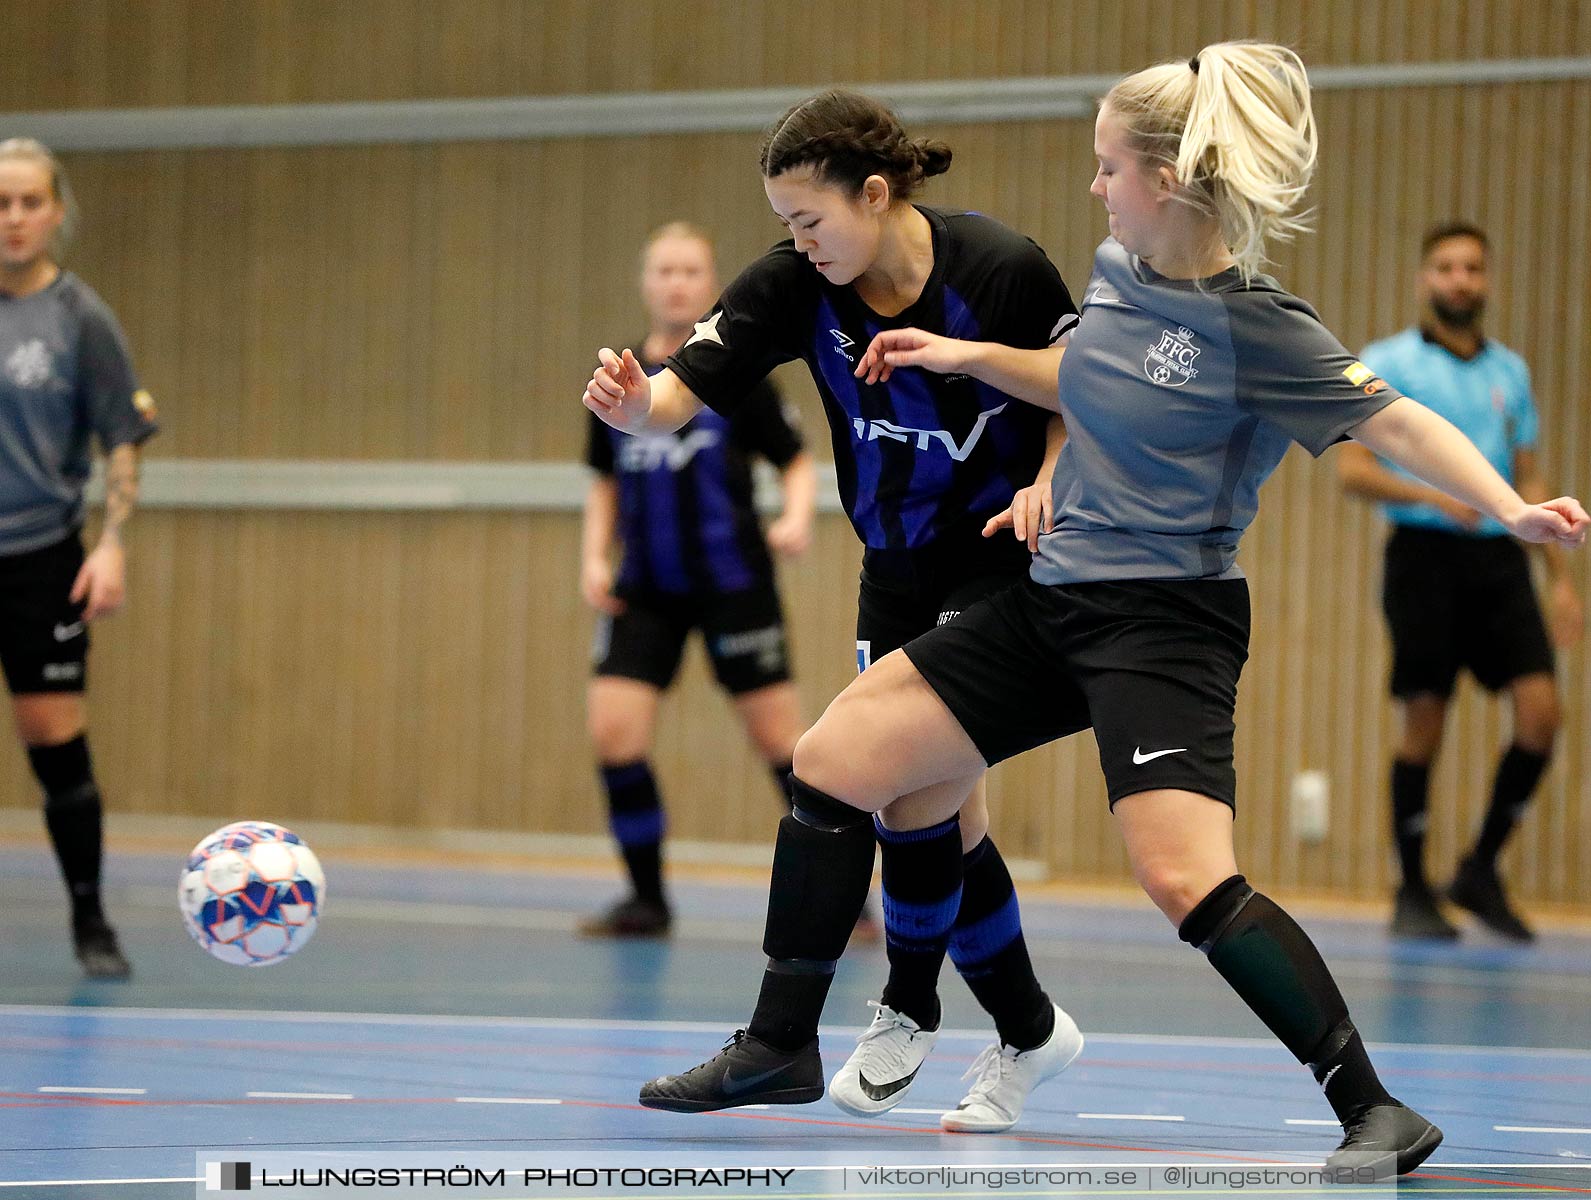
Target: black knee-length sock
[(991, 955), (1271, 963), (1410, 787), (74, 814), (922, 894), (635, 814), (1518, 773)]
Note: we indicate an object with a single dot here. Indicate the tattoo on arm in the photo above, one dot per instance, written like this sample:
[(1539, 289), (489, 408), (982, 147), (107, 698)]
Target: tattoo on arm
[(121, 488)]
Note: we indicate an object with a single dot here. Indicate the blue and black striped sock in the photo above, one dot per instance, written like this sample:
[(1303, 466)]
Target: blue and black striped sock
[(635, 814), (922, 894), (991, 955)]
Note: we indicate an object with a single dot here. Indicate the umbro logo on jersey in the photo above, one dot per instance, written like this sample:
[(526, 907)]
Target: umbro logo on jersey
[(1170, 364), (871, 431), (845, 343), (1139, 758)]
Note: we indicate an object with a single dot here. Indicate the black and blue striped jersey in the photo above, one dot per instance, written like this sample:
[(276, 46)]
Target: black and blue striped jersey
[(922, 454), (686, 513)]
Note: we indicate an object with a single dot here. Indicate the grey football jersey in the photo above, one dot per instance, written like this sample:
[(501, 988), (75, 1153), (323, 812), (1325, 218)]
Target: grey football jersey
[(1180, 398), (65, 377)]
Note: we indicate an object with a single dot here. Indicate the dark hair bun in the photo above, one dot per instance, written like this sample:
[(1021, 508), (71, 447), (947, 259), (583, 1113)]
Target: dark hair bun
[(846, 137), (932, 156)]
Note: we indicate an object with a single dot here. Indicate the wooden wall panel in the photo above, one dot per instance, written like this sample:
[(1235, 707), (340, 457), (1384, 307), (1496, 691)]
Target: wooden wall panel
[(73, 54), (443, 302)]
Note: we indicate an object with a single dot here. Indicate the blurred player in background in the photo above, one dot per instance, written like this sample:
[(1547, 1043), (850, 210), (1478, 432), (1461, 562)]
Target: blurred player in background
[(66, 379), (693, 556)]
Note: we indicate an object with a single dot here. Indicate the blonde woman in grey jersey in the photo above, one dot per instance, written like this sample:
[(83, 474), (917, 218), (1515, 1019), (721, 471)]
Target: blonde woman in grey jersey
[(66, 379), (1182, 386)]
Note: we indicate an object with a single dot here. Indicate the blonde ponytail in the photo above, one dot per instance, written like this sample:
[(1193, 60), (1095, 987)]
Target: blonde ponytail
[(1234, 124)]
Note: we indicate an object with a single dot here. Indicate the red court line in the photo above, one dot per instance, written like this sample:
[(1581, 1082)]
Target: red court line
[(1536, 1187), (873, 1126)]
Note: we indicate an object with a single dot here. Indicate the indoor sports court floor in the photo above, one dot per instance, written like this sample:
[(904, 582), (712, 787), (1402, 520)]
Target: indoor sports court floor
[(449, 1007)]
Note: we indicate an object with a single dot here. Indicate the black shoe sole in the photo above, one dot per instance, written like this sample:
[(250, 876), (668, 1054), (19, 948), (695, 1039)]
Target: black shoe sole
[(680, 1104), (1405, 1160), (1512, 933), (1424, 1146)]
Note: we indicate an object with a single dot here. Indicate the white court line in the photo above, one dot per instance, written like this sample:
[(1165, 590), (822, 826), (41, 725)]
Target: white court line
[(1310, 1121), (501, 1100), (37, 1183), (88, 1091), (1126, 1117), (1538, 1129), (579, 1023), (299, 1095)]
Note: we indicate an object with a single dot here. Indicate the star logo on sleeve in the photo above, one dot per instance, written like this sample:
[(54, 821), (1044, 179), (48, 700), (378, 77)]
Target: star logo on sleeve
[(707, 331)]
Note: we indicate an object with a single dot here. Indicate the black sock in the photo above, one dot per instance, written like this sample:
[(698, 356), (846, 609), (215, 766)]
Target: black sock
[(1517, 776), (991, 955), (922, 894), (635, 814), (1410, 784), (783, 773), (75, 817), (1271, 963), (822, 868)]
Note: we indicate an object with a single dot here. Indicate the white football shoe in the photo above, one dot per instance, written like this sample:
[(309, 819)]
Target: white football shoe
[(882, 1067), (1006, 1078)]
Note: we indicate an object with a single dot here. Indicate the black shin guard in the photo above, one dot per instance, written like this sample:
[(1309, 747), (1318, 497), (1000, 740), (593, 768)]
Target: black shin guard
[(74, 815), (822, 869), (1271, 963)]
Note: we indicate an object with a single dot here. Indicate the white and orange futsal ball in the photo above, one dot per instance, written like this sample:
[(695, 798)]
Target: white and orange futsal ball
[(251, 893)]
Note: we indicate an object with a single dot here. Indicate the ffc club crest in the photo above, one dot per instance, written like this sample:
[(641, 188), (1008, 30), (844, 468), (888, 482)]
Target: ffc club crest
[(1170, 363)]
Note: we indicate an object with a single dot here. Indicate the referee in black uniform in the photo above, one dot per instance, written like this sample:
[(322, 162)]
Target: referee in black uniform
[(1457, 591), (66, 378)]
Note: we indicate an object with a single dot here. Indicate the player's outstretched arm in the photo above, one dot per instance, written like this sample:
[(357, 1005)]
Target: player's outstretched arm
[(622, 395), (791, 534), (1028, 375), (1425, 444), (1361, 475)]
